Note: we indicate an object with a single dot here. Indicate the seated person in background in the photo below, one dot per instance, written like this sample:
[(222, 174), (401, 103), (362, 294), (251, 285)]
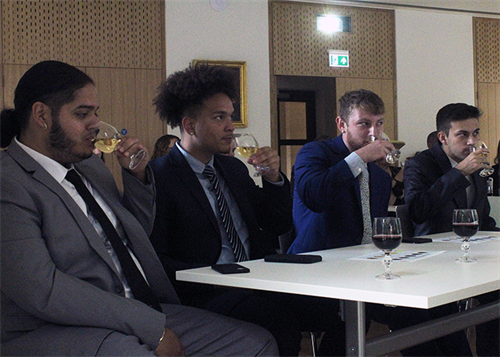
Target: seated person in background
[(79, 275), (190, 230), (334, 179), (163, 145), (446, 177), (432, 139), (496, 173)]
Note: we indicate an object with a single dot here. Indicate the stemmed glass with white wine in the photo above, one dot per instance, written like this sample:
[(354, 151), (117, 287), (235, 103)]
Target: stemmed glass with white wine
[(107, 137), (247, 145), (465, 225), (387, 237), (487, 171), (392, 157)]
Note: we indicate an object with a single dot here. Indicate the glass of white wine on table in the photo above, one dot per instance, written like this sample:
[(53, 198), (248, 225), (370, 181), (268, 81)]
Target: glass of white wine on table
[(107, 137), (387, 236), (246, 146), (465, 225)]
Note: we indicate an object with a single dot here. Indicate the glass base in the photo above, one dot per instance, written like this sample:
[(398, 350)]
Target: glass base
[(388, 276), (465, 260)]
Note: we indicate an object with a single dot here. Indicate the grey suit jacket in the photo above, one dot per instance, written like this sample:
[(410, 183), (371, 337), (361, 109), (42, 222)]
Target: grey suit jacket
[(55, 269)]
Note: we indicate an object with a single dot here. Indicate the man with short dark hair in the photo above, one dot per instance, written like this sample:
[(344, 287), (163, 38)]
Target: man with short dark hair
[(79, 275), (446, 177)]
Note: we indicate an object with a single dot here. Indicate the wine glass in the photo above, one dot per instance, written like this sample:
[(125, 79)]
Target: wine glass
[(488, 170), (387, 236), (465, 225), (107, 137), (393, 157), (247, 145)]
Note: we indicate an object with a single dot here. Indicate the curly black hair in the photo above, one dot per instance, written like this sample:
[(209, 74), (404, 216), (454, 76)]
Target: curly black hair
[(184, 92)]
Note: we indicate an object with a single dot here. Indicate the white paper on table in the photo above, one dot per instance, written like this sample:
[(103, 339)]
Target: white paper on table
[(473, 239), (399, 255)]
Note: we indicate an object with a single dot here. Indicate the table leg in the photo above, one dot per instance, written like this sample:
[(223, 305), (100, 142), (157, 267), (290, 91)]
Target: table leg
[(355, 322)]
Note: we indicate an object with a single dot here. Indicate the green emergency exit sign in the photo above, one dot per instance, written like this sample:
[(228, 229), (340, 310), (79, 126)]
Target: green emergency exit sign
[(338, 58)]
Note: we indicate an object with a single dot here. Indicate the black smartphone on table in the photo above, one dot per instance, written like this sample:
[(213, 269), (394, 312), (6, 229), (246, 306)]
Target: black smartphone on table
[(231, 268)]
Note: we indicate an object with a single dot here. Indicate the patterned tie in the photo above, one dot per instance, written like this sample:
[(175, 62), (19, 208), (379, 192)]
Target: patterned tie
[(365, 205), (138, 285), (225, 216)]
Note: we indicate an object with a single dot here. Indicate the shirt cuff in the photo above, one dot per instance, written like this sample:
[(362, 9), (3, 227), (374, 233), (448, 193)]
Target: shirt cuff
[(355, 163), (279, 183)]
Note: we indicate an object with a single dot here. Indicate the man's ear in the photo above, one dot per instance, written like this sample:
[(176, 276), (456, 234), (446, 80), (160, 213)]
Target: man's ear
[(188, 124), (41, 114), (443, 138), (341, 124)]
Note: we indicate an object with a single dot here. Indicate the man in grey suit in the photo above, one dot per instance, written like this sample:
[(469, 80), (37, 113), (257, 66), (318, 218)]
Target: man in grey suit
[(66, 289)]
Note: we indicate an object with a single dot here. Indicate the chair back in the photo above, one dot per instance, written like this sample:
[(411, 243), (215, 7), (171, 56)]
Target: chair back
[(407, 225)]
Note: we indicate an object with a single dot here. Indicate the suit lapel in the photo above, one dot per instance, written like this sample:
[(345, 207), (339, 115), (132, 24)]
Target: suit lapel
[(444, 163), (42, 176)]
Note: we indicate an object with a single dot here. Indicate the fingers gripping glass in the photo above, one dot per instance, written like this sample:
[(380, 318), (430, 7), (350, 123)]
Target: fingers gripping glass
[(387, 236), (247, 145), (392, 157), (488, 170), (107, 137)]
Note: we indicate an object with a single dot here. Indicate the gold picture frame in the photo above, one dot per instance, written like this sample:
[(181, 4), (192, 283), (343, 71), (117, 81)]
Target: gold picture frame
[(240, 117)]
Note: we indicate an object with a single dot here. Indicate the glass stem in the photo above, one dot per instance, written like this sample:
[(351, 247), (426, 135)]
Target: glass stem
[(465, 248), (387, 261)]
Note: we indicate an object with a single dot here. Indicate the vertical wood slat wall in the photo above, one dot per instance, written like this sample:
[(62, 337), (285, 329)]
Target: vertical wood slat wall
[(298, 49), (120, 44), (487, 73)]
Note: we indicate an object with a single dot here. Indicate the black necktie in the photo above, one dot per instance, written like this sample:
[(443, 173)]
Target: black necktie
[(136, 281), (225, 215)]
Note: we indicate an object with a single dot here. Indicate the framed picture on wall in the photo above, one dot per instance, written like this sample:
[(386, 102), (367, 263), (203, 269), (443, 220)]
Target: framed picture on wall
[(240, 68)]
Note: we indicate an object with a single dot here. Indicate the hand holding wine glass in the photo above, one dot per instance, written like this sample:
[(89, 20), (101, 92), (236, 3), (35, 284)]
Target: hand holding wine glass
[(247, 146), (465, 225), (387, 236), (107, 137), (392, 157), (488, 170)]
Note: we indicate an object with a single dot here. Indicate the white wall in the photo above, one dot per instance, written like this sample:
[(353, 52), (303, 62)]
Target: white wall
[(194, 30), (434, 57)]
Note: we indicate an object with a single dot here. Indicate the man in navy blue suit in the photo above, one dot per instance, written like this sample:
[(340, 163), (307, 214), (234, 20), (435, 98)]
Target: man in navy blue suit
[(190, 230), (446, 177), (328, 210)]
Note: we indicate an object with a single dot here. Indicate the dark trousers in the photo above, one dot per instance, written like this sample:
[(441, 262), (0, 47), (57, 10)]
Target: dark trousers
[(488, 334), (284, 315)]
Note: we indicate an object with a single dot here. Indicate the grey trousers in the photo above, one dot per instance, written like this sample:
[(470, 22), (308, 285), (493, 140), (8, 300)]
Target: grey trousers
[(202, 333)]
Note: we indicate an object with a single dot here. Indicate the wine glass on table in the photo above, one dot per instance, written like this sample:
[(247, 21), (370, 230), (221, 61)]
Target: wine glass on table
[(387, 236), (107, 137), (488, 170), (247, 145), (465, 225)]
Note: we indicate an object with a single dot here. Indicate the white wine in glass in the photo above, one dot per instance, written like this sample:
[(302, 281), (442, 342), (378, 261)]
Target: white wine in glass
[(488, 170), (247, 145), (107, 137)]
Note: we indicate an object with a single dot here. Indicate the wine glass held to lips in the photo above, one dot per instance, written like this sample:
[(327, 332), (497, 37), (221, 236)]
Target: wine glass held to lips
[(488, 170), (247, 146), (387, 237), (107, 137), (465, 225)]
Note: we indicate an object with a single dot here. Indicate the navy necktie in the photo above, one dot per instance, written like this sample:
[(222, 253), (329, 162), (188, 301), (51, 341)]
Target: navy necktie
[(136, 281), (225, 215)]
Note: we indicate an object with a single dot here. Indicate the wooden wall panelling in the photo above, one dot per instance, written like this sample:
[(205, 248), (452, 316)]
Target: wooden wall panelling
[(489, 103), (11, 76)]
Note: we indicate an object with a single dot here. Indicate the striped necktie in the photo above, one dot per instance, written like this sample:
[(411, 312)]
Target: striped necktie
[(225, 216), (365, 205)]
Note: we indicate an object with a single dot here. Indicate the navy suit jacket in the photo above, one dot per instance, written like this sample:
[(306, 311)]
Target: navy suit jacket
[(186, 233), (433, 190), (327, 203)]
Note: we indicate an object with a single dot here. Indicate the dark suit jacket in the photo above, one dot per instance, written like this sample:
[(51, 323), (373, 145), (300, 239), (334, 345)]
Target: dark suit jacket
[(56, 271), (327, 203), (186, 233), (433, 190)]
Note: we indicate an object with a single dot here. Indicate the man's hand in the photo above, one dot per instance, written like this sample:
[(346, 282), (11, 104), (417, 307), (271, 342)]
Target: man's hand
[(127, 147), (267, 156), (474, 161), (375, 150), (169, 345)]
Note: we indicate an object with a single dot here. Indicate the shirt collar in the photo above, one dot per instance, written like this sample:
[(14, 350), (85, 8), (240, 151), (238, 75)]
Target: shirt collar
[(55, 169), (196, 165)]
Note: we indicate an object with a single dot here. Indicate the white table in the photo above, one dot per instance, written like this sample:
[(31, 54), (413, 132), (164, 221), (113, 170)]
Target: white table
[(425, 283)]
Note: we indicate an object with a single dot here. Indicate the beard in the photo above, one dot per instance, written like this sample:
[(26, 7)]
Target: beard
[(62, 146)]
